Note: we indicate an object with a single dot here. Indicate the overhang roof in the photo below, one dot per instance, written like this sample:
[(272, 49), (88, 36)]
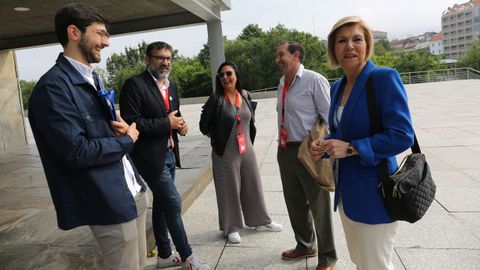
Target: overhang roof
[(36, 27)]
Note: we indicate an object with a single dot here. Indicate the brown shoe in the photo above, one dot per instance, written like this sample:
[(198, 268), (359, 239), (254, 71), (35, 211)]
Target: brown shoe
[(293, 254), (321, 267)]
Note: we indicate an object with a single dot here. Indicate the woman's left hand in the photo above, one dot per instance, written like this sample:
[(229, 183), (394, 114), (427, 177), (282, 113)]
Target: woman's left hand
[(335, 148)]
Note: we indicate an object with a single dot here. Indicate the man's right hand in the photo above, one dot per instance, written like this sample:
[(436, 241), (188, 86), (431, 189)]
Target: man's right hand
[(133, 132), (176, 122)]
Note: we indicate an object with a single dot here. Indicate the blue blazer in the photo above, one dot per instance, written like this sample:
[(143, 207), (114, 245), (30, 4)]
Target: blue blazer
[(358, 175), (81, 155)]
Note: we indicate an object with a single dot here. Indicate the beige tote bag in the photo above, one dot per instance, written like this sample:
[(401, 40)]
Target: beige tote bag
[(321, 170)]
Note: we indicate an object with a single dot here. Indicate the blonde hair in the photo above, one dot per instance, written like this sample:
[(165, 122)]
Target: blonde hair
[(348, 21)]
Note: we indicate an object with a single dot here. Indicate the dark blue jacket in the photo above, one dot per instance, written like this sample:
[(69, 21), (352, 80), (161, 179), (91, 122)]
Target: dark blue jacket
[(358, 177), (80, 153)]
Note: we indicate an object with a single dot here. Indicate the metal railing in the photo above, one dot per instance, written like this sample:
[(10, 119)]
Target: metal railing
[(437, 75), (264, 89), (440, 75)]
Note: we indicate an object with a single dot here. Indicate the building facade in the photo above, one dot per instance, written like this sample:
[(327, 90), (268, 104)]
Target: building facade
[(460, 27), (436, 44), (379, 35)]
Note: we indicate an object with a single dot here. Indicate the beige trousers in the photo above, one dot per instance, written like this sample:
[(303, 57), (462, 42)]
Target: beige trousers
[(370, 246), (123, 246)]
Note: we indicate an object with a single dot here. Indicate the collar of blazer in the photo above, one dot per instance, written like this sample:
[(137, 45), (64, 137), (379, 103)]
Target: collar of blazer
[(348, 111), (153, 88)]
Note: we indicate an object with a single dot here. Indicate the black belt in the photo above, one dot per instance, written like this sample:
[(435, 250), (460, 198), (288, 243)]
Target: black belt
[(294, 143), (169, 149)]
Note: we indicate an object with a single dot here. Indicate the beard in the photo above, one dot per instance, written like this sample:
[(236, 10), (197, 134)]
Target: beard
[(158, 74), (86, 50)]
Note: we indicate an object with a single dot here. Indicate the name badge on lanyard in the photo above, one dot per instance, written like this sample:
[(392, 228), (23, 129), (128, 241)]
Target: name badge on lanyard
[(283, 134), (242, 142)]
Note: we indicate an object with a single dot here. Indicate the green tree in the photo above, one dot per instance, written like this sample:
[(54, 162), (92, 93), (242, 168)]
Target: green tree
[(382, 46), (254, 53), (124, 65), (250, 32), (472, 57), (204, 56), (419, 60), (386, 59), (26, 88), (192, 78)]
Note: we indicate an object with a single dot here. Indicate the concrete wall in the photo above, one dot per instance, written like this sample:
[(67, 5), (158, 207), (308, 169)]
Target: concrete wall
[(12, 131)]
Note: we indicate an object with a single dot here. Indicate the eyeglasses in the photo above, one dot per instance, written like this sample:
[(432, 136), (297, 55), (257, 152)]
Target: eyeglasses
[(221, 74), (103, 34), (161, 58)]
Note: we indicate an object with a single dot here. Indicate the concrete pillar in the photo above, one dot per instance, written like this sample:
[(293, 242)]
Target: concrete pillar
[(216, 50), (12, 130)]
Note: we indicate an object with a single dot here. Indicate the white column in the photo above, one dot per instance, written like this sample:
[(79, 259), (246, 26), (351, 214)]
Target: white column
[(12, 130), (216, 50)]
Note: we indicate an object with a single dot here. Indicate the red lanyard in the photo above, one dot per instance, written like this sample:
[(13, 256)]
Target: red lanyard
[(284, 93), (237, 105), (165, 99), (237, 99)]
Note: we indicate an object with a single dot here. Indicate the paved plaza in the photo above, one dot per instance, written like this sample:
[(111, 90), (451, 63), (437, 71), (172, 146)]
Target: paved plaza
[(446, 116)]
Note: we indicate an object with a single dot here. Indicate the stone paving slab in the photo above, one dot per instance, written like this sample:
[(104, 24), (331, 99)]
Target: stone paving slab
[(447, 122), (28, 224), (448, 237)]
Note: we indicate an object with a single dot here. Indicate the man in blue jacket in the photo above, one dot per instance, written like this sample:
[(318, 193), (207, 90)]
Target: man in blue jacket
[(83, 150)]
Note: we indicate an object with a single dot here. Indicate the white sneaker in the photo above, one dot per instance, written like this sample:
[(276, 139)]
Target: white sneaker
[(194, 263), (234, 238), (173, 260), (272, 227)]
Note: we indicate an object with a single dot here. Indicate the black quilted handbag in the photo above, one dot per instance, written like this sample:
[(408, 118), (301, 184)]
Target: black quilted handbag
[(409, 192)]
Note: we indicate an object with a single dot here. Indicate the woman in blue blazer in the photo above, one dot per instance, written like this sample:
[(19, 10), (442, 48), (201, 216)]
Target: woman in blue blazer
[(369, 229)]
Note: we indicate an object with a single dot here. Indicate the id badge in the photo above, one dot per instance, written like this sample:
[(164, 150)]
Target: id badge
[(282, 140), (242, 143)]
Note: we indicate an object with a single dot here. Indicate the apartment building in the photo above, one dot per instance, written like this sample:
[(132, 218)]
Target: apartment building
[(460, 27), (379, 35), (436, 44)]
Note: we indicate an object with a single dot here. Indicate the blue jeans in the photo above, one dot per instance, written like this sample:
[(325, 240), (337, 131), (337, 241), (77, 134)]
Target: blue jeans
[(167, 212)]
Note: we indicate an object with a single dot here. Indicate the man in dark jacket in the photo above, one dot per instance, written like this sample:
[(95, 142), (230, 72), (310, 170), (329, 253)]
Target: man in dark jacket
[(83, 150), (151, 100)]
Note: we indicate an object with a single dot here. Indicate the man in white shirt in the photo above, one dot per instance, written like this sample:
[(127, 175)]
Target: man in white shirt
[(303, 99)]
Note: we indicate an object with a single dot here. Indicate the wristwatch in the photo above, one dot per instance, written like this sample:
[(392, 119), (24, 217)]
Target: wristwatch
[(350, 149)]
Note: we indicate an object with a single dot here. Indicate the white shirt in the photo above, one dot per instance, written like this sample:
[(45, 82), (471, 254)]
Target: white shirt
[(163, 91), (87, 73), (306, 101)]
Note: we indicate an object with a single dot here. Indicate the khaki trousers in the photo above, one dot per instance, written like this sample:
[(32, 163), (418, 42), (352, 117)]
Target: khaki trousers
[(123, 246), (308, 207), (370, 245)]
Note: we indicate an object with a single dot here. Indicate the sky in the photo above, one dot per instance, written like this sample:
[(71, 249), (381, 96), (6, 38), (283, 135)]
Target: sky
[(400, 19)]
